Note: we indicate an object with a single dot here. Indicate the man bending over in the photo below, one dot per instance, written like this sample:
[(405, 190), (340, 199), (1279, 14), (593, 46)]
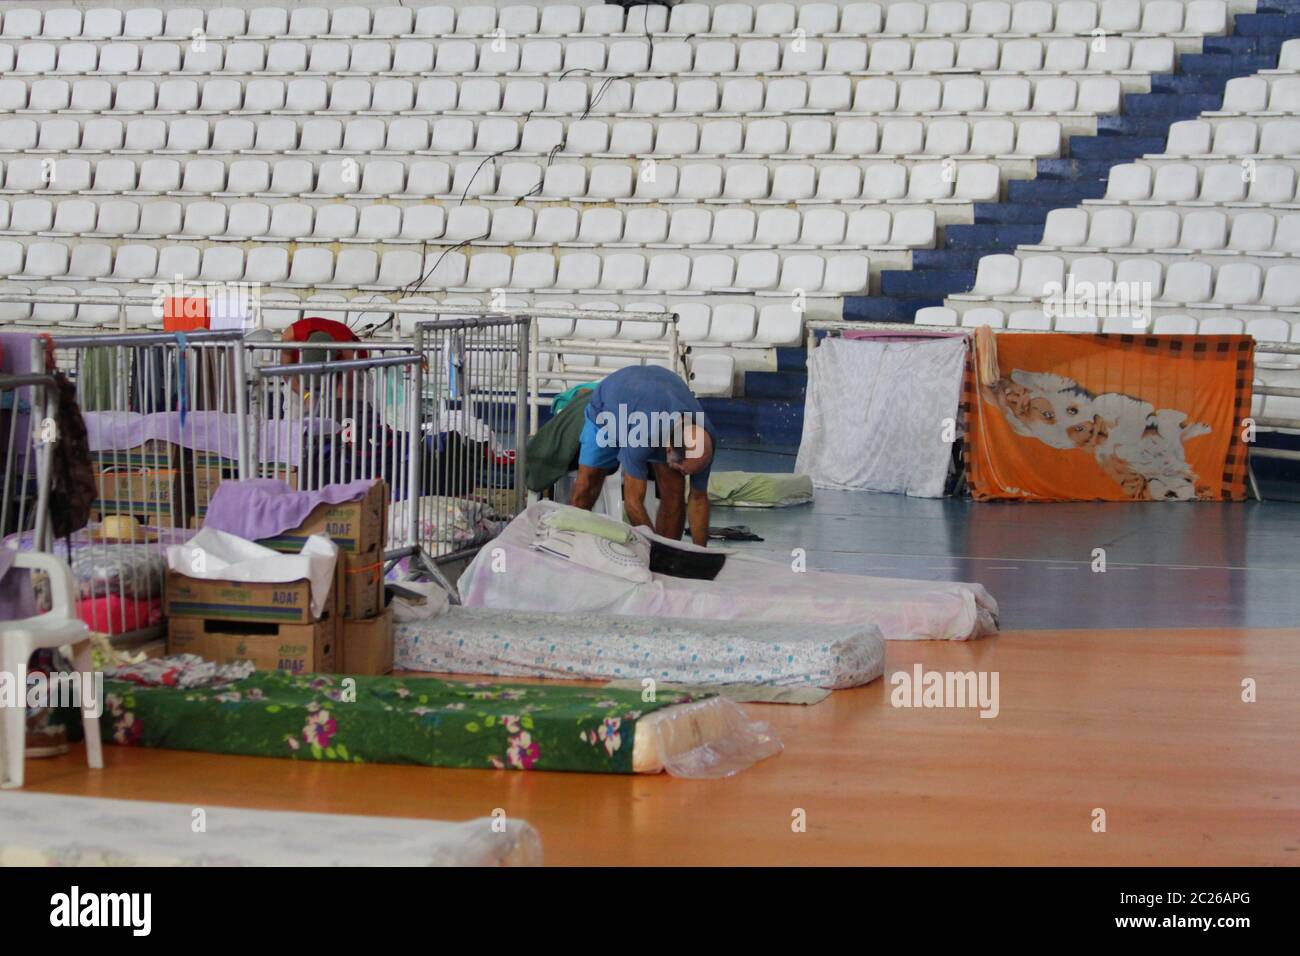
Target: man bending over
[(645, 420)]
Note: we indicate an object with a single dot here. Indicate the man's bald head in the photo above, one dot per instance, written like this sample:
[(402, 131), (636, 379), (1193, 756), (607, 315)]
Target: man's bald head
[(696, 452)]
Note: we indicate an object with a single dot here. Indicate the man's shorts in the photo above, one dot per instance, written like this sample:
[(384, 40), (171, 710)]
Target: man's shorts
[(592, 453)]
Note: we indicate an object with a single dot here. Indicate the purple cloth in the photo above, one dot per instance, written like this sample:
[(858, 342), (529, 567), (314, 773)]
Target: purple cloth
[(16, 598), (265, 507), (16, 352), (216, 433), (16, 359)]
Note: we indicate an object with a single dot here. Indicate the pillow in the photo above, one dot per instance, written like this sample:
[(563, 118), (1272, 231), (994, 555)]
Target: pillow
[(630, 561), (579, 519)]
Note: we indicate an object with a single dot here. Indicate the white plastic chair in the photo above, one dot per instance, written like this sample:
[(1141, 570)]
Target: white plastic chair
[(20, 639)]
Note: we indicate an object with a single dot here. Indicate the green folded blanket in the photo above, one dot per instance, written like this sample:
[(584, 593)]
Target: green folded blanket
[(553, 451), (747, 489), (413, 720), (579, 519)]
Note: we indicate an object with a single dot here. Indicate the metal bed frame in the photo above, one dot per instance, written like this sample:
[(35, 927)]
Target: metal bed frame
[(229, 399)]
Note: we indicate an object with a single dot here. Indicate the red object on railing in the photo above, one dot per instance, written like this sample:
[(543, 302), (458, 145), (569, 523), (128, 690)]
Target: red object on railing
[(317, 329), (185, 313)]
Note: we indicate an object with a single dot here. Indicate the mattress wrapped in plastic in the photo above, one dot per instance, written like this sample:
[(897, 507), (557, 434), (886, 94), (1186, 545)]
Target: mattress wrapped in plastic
[(513, 574), (504, 643), (39, 829), (336, 718)]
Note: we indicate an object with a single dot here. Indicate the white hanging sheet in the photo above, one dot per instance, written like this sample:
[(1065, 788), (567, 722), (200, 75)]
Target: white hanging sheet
[(880, 416)]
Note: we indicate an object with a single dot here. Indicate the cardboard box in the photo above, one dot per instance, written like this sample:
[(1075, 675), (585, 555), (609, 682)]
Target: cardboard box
[(300, 648), (139, 491), (366, 647), (154, 453), (284, 602), (355, 526), (208, 471), (363, 584)]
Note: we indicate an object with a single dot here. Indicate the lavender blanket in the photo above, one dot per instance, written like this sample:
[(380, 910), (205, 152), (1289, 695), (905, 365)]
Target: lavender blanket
[(216, 433), (16, 359), (266, 507), (16, 352)]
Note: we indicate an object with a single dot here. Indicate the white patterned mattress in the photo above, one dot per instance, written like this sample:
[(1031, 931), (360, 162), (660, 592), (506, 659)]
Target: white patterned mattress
[(38, 829), (504, 643)]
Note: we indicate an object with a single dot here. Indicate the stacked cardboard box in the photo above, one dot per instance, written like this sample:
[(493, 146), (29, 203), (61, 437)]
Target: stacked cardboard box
[(208, 470), (162, 484), (143, 482), (358, 529), (270, 624)]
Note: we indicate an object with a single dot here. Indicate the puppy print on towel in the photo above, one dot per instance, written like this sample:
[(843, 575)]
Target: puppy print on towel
[(1040, 405), (1136, 445)]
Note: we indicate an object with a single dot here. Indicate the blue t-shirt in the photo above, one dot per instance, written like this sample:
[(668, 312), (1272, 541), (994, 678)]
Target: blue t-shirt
[(640, 410)]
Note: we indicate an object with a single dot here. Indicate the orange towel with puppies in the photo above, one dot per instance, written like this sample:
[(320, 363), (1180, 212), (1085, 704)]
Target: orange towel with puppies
[(1076, 417)]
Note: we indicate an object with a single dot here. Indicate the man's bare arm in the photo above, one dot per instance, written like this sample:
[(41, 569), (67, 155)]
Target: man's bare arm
[(634, 501), (587, 488)]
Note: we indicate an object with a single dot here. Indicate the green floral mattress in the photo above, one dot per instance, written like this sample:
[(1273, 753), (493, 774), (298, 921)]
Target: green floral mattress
[(437, 723)]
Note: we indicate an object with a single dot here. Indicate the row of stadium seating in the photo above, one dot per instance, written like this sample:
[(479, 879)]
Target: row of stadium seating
[(569, 182), (1149, 183), (1185, 283), (1026, 17), (762, 273), (764, 138), (559, 226), (1264, 328), (832, 96), (1275, 137), (700, 324), (1176, 230), (628, 58)]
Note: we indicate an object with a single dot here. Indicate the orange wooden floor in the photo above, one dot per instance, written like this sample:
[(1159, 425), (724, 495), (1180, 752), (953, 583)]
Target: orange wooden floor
[(1147, 725)]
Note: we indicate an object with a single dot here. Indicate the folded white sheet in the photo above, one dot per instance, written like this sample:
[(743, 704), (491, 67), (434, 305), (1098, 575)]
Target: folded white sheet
[(218, 556)]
